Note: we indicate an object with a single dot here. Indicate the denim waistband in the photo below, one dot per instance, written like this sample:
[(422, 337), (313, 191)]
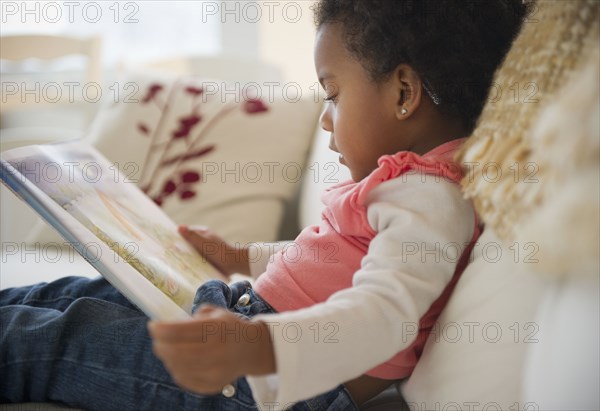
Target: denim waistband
[(216, 292)]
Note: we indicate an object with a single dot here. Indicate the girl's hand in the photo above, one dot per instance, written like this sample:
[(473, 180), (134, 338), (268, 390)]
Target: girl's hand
[(225, 257), (213, 349)]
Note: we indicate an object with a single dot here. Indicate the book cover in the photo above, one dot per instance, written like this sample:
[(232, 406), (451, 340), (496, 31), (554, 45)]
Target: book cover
[(111, 223)]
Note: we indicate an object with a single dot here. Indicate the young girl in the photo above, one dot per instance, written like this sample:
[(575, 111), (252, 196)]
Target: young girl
[(406, 81)]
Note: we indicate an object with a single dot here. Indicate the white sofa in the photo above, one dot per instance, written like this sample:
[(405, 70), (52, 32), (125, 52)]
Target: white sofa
[(503, 330), (521, 331)]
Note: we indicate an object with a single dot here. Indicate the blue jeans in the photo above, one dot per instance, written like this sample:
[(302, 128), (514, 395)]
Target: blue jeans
[(80, 342)]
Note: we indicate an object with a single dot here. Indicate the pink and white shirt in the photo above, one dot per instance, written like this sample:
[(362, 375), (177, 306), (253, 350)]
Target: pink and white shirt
[(403, 208)]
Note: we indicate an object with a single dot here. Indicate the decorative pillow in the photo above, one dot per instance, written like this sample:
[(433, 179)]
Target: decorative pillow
[(227, 156), (554, 41)]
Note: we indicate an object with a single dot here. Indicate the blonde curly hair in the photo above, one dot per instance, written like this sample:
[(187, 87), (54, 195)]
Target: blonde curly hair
[(505, 174)]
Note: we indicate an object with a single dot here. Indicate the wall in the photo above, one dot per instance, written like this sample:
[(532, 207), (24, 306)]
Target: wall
[(287, 41)]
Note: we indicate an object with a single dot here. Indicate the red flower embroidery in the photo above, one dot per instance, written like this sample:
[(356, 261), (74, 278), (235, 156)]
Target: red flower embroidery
[(183, 186), (186, 195), (195, 91), (188, 156), (174, 154), (169, 187), (185, 125), (190, 177), (253, 106), (152, 91)]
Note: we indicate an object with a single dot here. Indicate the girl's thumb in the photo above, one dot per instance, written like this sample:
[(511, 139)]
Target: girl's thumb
[(205, 309), (183, 229)]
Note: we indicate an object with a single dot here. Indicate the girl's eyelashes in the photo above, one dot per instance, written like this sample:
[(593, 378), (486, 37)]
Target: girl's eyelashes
[(331, 92), (333, 98)]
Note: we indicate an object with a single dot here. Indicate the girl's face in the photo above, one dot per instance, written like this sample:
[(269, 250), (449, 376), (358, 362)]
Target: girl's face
[(362, 116)]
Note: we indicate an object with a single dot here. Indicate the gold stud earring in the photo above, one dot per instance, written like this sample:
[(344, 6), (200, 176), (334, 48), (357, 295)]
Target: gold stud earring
[(403, 111)]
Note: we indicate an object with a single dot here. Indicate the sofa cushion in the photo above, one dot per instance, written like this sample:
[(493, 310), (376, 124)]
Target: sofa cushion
[(563, 371), (223, 155), (522, 328), (322, 171), (479, 344)]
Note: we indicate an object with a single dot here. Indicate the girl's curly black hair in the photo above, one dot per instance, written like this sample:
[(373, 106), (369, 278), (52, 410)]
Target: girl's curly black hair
[(454, 45)]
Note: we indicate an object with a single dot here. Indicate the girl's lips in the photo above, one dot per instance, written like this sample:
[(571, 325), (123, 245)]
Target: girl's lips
[(341, 157)]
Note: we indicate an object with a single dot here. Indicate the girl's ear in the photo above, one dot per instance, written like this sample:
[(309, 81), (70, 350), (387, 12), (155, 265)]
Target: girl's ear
[(408, 86)]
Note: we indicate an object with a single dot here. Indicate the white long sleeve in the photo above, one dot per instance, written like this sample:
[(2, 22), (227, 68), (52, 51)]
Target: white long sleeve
[(421, 221)]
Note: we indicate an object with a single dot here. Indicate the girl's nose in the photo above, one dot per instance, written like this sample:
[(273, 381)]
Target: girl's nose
[(325, 120)]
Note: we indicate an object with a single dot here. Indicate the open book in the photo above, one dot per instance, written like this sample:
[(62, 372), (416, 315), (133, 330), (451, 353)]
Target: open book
[(109, 221)]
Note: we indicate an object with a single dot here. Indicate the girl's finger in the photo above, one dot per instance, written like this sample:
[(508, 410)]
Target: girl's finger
[(198, 228)]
